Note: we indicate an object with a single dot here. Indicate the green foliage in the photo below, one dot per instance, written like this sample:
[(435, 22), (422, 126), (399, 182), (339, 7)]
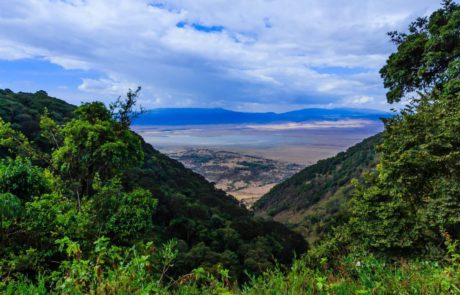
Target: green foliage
[(50, 130), (10, 209), (23, 110), (125, 217), (402, 207), (20, 178), (365, 275), (116, 271), (123, 109), (414, 196), (321, 179), (94, 144), (13, 142), (103, 242), (97, 184), (425, 54), (319, 192)]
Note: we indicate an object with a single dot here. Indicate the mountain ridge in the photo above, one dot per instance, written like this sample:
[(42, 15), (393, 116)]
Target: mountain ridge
[(205, 116)]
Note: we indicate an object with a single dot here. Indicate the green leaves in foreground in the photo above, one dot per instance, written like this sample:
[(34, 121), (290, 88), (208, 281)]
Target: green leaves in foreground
[(140, 270)]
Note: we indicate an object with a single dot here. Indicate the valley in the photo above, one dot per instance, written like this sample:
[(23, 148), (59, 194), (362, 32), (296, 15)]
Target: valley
[(243, 176), (264, 155), (248, 160)]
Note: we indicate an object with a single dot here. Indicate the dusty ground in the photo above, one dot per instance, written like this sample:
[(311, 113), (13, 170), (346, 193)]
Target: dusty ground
[(293, 154), (250, 194), (245, 177)]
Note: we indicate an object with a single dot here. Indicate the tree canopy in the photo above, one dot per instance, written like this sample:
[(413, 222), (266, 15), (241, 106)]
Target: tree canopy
[(427, 56), (87, 182), (412, 200)]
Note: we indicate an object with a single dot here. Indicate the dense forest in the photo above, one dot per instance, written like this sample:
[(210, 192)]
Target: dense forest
[(78, 176), (86, 206)]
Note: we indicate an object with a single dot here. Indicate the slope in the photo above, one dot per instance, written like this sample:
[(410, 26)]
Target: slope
[(243, 176), (23, 111), (312, 198), (211, 228)]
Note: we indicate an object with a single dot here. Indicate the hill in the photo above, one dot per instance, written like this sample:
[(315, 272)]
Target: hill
[(23, 111), (311, 198), (209, 226), (85, 220), (204, 116)]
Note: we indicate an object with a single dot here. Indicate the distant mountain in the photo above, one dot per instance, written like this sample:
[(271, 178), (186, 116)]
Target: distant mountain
[(312, 199), (204, 116)]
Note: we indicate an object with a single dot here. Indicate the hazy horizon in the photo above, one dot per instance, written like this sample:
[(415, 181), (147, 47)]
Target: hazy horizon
[(301, 144)]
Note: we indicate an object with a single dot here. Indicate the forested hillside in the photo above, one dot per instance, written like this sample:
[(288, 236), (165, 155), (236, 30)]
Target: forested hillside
[(23, 111), (311, 199), (80, 175), (97, 210)]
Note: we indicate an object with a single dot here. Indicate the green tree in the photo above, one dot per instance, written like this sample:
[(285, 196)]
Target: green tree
[(414, 195), (95, 144), (10, 209), (50, 130), (13, 142), (124, 216), (123, 109), (22, 179), (425, 54)]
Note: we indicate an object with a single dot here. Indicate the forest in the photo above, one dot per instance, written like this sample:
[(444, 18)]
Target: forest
[(87, 206)]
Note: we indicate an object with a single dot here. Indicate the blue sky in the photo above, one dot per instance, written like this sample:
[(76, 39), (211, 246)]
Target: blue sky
[(258, 55)]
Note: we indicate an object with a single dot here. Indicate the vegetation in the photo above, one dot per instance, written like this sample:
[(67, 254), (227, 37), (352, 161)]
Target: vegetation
[(406, 205), (23, 112), (312, 200), (130, 220), (412, 200), (89, 178)]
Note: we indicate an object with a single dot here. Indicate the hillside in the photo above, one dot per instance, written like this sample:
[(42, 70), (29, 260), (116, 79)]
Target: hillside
[(245, 177), (23, 111), (203, 116), (88, 207), (310, 199), (210, 227)]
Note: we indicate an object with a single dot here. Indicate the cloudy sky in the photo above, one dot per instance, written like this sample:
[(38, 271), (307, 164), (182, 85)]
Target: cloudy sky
[(251, 55)]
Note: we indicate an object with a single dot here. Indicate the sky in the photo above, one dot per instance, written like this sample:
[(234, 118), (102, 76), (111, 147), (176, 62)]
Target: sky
[(245, 55)]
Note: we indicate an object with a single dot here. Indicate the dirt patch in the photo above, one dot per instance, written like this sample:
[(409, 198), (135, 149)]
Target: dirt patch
[(246, 177)]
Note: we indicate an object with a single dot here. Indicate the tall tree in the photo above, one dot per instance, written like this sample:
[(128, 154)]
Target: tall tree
[(425, 55), (95, 144), (123, 110), (413, 197)]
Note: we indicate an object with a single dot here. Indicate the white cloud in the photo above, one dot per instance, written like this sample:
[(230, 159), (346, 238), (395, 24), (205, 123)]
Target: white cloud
[(362, 99), (104, 86), (13, 51), (267, 52)]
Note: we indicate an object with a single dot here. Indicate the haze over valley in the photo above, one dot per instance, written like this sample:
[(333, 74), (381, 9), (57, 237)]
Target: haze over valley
[(212, 142)]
